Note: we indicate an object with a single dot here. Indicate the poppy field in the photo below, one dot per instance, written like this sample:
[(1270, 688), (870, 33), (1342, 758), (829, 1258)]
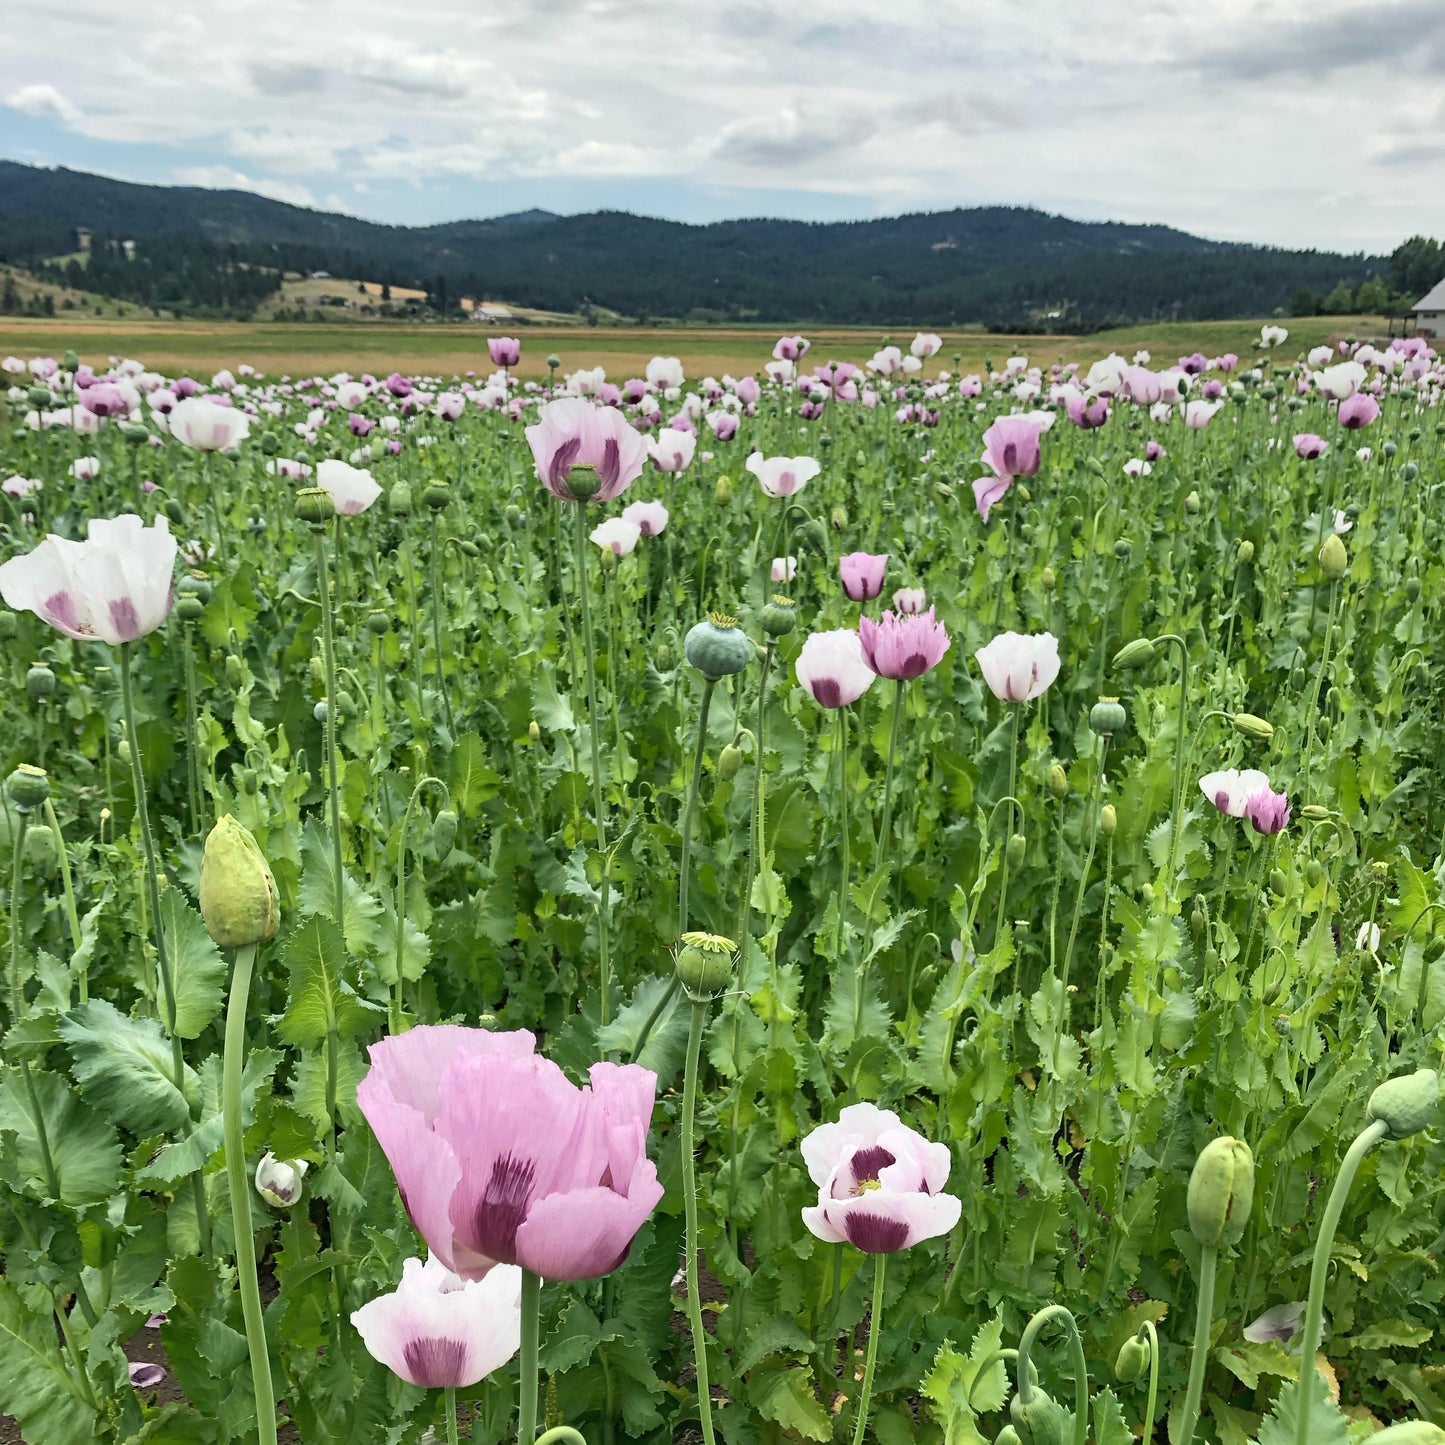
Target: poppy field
[(840, 902)]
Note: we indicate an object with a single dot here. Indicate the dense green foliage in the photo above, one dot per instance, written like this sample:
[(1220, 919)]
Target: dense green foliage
[(1075, 1011), (1007, 268)]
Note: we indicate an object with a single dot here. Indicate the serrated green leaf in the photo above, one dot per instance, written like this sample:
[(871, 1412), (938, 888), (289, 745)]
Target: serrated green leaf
[(1326, 1425), (186, 1156), (123, 1066), (318, 891), (785, 1396), (319, 999), (36, 1389), (472, 781), (83, 1147), (198, 968), (1110, 1427)]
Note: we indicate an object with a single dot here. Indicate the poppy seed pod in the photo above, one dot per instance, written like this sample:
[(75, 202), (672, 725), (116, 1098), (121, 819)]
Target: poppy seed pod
[(378, 623), (1407, 1104), (716, 647), (779, 617), (1334, 560), (436, 494), (239, 900), (705, 965), (40, 681), (28, 787), (1107, 716), (314, 505), (1221, 1192)]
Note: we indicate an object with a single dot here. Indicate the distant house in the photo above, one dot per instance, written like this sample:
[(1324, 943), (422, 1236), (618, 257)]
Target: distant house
[(1429, 312), (489, 311), (82, 238)]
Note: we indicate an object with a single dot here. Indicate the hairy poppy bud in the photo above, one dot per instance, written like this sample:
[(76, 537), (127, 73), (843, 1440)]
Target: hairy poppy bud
[(1138, 653), (1047, 579), (1133, 1360), (1406, 1104), (1278, 883), (1108, 820), (444, 832), (1058, 781), (705, 965), (722, 490), (839, 518), (1314, 872), (1191, 504), (398, 500), (1018, 846), (28, 787), (1250, 726), (534, 731), (1221, 1192), (728, 762), (239, 901), (716, 647), (1245, 554), (1334, 560)]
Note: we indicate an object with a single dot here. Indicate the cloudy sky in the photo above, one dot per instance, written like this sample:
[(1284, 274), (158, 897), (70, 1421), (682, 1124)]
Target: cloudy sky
[(1300, 122)]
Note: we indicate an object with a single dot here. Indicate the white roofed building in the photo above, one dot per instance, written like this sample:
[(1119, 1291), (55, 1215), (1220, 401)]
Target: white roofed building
[(1429, 312)]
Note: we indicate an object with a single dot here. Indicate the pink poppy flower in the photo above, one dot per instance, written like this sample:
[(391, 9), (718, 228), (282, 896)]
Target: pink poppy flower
[(862, 574), (782, 476), (1018, 668), (573, 432), (504, 350), (909, 600), (500, 1159), (1011, 446), (1308, 446), (832, 669), (649, 517), (1268, 811), (903, 647), (1358, 411)]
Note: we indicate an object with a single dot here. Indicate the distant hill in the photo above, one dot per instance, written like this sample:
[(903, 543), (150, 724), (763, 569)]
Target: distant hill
[(1005, 267)]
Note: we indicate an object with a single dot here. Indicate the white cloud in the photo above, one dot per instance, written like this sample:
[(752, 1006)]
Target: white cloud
[(1231, 118), (42, 100), (223, 178)]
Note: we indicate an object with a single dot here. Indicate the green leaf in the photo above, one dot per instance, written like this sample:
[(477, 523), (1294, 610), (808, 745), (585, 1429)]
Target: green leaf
[(36, 1390), (318, 891), (1109, 1424), (786, 1397), (472, 781), (198, 968), (319, 1000), (194, 1152), (123, 1066), (1327, 1425), (83, 1147), (955, 1392)]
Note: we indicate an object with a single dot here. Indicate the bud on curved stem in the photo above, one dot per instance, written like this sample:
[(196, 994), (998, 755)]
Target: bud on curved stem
[(1025, 1373)]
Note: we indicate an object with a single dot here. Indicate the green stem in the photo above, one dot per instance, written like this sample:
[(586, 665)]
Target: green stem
[(1094, 809), (527, 1382), (558, 1433), (398, 1024), (883, 831), (598, 802), (875, 1321), (1013, 765), (72, 917), (1314, 1309), (449, 1397), (689, 1199), (1081, 1367), (689, 807), (843, 807), (246, 1278), (436, 624), (1179, 747), (1313, 712), (1199, 1357), (1152, 1400)]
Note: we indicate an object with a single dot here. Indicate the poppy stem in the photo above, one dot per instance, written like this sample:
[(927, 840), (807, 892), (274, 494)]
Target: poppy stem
[(689, 1199), (1199, 1356), (875, 1318), (246, 1279), (527, 1382), (449, 1396)]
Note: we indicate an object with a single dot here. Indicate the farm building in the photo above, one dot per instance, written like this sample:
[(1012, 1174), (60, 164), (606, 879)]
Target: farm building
[(1429, 311)]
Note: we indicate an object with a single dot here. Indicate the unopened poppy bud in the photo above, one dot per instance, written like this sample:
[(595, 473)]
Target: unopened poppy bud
[(314, 505), (1411, 1432), (1108, 820), (716, 647), (779, 617), (1245, 554), (1058, 781), (1412, 589), (1047, 579), (1107, 716), (1334, 560), (728, 762), (1406, 1104), (250, 781), (278, 1182), (534, 731), (39, 397), (1314, 812), (1132, 1360), (1095, 465), (1191, 504), (70, 361), (1314, 872), (1221, 1192), (1278, 883), (1138, 653), (175, 513), (554, 361), (839, 518), (1123, 549), (122, 751), (1389, 449), (444, 832), (664, 656), (377, 622), (705, 965), (321, 711), (239, 901), (1246, 724), (468, 548), (8, 624), (41, 852), (398, 499), (722, 490), (1197, 919), (40, 681), (1008, 1436), (1018, 846), (28, 787)]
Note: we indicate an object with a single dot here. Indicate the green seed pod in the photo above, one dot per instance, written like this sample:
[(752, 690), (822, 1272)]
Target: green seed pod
[(1246, 724), (1406, 1104), (270, 444), (239, 901), (1409, 472), (1048, 580), (378, 623), (705, 965), (554, 361), (1278, 883), (39, 397), (1107, 716), (1334, 560), (1191, 504), (70, 361), (664, 656), (40, 681), (194, 584), (1245, 552), (728, 762), (779, 617), (398, 500), (444, 832), (1132, 1360), (1411, 1432), (345, 704), (1008, 1436), (28, 787), (722, 490), (716, 647), (437, 495), (1389, 449), (135, 433), (1108, 820), (314, 506), (1058, 781), (1314, 872), (189, 608), (1018, 847), (1139, 653), (1221, 1192), (515, 516)]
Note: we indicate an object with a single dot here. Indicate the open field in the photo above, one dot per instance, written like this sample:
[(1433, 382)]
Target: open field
[(358, 346)]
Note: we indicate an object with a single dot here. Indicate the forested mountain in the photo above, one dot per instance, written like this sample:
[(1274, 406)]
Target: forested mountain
[(1007, 267)]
